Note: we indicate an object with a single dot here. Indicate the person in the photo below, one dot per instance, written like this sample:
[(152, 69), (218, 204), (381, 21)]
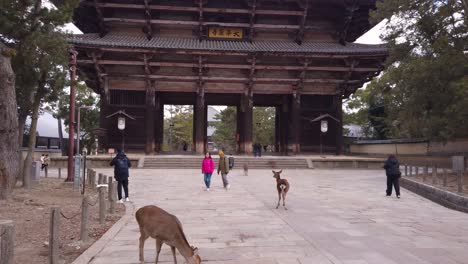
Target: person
[(121, 165), (231, 161), (223, 167), (42, 161), (207, 170), (185, 146), (45, 164), (392, 169)]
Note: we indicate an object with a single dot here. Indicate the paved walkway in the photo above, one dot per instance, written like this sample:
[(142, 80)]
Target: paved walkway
[(334, 216)]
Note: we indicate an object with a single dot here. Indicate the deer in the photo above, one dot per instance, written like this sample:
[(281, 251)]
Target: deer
[(164, 227), (282, 186), (246, 169)]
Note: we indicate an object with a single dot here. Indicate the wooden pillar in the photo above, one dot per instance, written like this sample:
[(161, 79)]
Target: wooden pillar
[(239, 135), (339, 125), (158, 122), (296, 124), (149, 119), (199, 124), (277, 128), (246, 112), (284, 125)]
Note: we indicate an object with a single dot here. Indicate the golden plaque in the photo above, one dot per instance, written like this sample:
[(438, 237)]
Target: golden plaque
[(225, 33)]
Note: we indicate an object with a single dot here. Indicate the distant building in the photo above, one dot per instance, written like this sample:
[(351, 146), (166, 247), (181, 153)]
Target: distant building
[(47, 133), (212, 112)]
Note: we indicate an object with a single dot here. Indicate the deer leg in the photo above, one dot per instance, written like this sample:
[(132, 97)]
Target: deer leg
[(279, 199), (143, 237), (158, 249), (284, 200), (173, 254)]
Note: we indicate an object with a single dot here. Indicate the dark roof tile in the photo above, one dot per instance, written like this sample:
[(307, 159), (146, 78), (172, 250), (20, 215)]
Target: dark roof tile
[(123, 41)]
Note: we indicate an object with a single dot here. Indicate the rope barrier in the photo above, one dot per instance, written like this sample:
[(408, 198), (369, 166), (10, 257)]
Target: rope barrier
[(4, 231), (93, 204), (69, 218)]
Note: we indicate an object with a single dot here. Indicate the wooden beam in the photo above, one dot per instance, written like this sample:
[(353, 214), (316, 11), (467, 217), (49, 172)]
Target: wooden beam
[(302, 22), (219, 79), (379, 56), (195, 9), (196, 23), (102, 26), (200, 20), (302, 79), (148, 28), (232, 66), (350, 10), (253, 4)]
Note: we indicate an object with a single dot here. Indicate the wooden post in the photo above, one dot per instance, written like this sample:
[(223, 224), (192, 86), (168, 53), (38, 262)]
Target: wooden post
[(200, 124), (60, 173), (416, 172), (102, 205), (406, 169), (296, 125), (425, 172), (246, 118), (339, 125), (100, 177), (410, 170), (445, 177), (7, 233), (111, 191), (434, 174), (149, 119), (93, 180), (460, 181), (104, 179), (84, 219), (54, 235)]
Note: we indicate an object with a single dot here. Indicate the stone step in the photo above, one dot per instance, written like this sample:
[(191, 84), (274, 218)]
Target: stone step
[(253, 163)]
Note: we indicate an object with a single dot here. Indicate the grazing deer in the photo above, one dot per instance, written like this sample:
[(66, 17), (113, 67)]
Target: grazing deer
[(165, 228), (282, 185)]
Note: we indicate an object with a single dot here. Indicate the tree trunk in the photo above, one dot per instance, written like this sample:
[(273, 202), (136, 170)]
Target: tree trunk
[(32, 133), (60, 131), (9, 150)]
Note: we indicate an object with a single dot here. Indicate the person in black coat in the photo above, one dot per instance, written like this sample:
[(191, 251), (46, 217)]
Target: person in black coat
[(121, 164), (392, 169)]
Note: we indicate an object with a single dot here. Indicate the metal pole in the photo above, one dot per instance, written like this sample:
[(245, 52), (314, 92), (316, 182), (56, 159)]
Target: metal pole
[(84, 173), (123, 140), (78, 133), (72, 64)]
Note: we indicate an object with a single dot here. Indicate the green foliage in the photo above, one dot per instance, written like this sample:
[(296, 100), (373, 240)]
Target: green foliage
[(264, 125), (89, 119), (424, 91), (33, 31), (182, 130), (225, 135)]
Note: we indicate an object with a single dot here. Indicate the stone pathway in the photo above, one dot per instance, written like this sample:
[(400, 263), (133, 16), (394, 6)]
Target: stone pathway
[(334, 216)]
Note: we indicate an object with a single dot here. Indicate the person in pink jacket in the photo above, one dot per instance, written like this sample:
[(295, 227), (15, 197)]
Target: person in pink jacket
[(207, 169)]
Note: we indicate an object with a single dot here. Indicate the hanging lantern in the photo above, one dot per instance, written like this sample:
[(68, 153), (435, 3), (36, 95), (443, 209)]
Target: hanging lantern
[(324, 126), (121, 123)]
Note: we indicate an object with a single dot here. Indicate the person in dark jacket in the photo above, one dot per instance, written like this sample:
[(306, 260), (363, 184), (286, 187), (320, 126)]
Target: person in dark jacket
[(392, 169), (121, 164)]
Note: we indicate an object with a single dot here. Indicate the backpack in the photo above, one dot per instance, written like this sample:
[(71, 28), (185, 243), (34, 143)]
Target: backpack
[(231, 162), (121, 164)]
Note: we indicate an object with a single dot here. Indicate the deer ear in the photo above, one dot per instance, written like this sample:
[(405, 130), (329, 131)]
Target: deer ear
[(280, 171), (273, 171), (195, 251)]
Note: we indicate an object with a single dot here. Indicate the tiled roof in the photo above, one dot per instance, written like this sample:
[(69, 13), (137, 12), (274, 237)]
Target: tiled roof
[(123, 41)]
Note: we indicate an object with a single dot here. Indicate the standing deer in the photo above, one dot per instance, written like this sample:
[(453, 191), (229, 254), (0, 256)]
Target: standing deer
[(282, 185), (165, 228)]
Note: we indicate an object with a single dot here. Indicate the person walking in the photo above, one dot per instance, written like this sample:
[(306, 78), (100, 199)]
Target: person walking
[(223, 167), (207, 170), (121, 165), (45, 164), (392, 169)]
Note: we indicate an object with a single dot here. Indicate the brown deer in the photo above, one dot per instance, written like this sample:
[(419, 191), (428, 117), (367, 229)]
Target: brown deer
[(165, 228), (282, 185)]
